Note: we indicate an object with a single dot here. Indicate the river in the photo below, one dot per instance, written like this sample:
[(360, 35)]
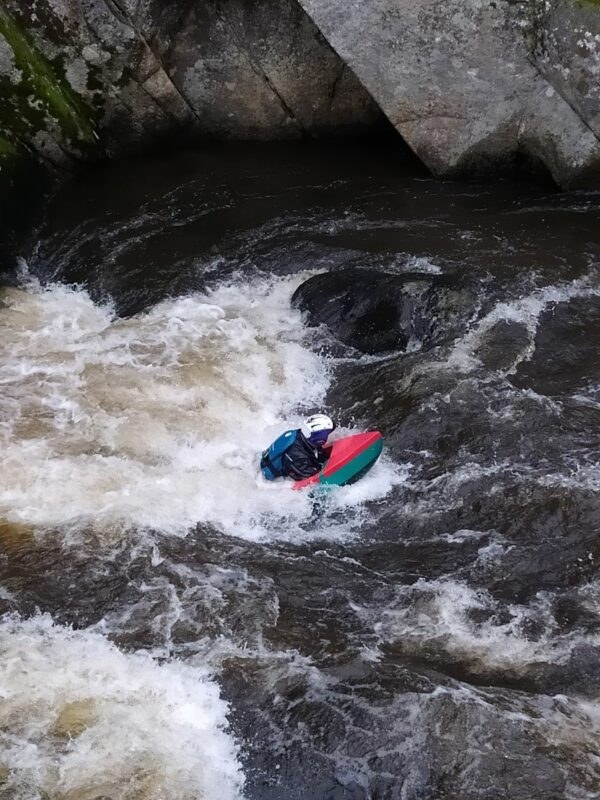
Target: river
[(176, 628)]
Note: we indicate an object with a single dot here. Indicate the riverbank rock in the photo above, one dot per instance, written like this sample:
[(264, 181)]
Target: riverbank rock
[(81, 80), (566, 49), (376, 312), (469, 84)]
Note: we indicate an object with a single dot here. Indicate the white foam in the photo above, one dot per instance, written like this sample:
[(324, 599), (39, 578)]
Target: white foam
[(448, 487), (585, 477), (525, 311), (590, 396), (463, 535), (156, 421), (377, 484), (422, 264), (440, 613), (87, 720)]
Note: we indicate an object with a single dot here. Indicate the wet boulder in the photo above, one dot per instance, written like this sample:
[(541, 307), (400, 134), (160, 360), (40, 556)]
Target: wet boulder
[(472, 85), (378, 312), (81, 80)]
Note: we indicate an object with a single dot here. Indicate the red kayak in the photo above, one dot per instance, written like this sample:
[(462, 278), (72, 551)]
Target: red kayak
[(350, 458)]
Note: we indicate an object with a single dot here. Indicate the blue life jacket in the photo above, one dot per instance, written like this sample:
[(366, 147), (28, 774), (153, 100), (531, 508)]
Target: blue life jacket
[(271, 462)]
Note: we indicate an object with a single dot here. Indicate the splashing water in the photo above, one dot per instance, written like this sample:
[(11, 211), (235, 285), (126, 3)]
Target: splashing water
[(155, 421), (432, 630), (78, 709)]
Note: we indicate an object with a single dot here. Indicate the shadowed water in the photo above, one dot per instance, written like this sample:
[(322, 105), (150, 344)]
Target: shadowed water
[(432, 631)]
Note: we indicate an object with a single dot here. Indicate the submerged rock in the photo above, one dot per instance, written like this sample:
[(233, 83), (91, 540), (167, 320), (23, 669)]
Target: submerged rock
[(376, 312), (565, 354)]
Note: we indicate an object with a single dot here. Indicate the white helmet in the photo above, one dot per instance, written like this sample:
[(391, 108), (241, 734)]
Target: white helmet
[(317, 428)]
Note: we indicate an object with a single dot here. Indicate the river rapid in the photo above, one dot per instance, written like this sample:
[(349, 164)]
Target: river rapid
[(173, 627)]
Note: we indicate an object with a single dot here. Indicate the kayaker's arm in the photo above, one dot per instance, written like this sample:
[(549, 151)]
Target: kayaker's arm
[(300, 461)]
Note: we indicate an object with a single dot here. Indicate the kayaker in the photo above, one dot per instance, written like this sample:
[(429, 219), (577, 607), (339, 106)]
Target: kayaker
[(299, 453)]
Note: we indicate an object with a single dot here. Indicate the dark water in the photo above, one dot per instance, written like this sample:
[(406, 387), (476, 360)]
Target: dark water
[(438, 639)]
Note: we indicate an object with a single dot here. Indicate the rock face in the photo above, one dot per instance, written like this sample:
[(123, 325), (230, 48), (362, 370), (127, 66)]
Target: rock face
[(376, 312), (261, 71), (83, 79), (468, 84), (567, 52), (463, 82)]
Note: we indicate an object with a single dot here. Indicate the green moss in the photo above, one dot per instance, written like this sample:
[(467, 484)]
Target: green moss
[(38, 95)]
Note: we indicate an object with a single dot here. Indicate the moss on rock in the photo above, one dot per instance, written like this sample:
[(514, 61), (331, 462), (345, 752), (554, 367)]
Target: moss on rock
[(36, 99)]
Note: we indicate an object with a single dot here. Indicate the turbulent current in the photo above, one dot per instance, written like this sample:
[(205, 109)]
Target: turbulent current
[(172, 626)]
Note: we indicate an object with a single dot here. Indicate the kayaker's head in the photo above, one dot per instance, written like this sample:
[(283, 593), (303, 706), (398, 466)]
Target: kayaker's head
[(317, 429)]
